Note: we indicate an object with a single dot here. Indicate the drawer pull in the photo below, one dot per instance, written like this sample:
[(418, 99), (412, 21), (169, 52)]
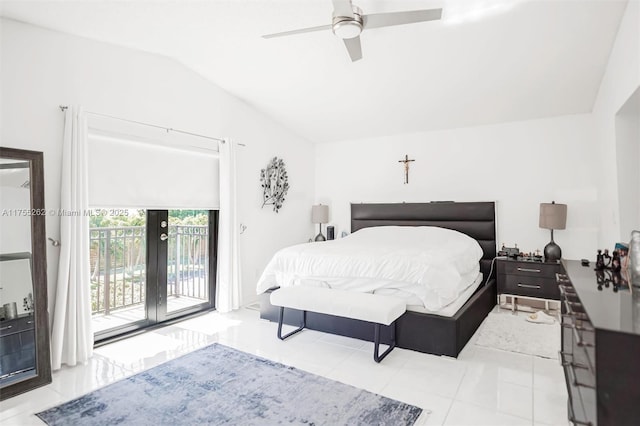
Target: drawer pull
[(537, 287), (529, 270), (6, 328), (29, 322), (567, 289)]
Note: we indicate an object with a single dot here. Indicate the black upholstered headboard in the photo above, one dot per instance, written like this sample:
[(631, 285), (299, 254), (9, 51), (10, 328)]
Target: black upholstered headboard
[(476, 219)]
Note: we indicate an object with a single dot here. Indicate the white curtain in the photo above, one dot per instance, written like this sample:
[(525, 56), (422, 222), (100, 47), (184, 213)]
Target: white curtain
[(228, 280), (72, 338)]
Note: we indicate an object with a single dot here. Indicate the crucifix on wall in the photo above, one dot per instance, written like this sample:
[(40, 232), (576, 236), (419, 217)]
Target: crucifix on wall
[(406, 162)]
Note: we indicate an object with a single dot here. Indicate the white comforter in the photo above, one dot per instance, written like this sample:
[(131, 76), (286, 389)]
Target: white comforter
[(433, 264)]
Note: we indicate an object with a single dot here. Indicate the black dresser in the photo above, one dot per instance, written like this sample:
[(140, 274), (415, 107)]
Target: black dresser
[(528, 278), (600, 346), (17, 346)]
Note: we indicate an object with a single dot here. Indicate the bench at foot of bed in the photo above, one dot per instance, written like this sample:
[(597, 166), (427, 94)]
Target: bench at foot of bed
[(376, 309)]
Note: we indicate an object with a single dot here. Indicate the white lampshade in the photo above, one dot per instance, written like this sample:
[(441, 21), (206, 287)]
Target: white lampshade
[(320, 214), (553, 216)]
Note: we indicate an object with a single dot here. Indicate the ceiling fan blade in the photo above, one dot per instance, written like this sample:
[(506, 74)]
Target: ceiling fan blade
[(354, 48), (301, 31), (378, 20), (343, 8)]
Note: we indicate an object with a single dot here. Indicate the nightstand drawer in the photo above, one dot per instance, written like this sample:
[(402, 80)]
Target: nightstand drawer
[(533, 269), (532, 286)]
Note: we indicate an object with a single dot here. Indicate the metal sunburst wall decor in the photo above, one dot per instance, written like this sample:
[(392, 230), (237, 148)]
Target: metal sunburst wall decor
[(275, 184)]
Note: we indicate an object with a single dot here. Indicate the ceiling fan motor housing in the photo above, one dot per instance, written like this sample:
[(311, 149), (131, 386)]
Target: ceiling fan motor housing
[(347, 27)]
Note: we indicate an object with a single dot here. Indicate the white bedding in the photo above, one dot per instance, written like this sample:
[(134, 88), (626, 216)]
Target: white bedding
[(433, 265), (453, 307)]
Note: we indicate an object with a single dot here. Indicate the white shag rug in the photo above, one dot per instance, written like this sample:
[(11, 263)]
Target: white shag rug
[(514, 333)]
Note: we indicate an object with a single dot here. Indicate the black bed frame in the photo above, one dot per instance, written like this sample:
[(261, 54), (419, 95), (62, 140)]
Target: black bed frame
[(421, 332)]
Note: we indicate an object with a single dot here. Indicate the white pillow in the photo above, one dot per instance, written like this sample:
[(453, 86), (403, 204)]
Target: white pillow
[(458, 249)]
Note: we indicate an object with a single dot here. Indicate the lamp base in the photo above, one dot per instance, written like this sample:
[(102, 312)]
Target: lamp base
[(552, 252), (320, 237)]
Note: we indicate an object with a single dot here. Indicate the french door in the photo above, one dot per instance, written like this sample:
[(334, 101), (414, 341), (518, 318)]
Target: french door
[(174, 278)]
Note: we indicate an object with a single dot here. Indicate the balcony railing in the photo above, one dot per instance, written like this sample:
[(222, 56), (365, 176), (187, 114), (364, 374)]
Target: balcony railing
[(118, 268)]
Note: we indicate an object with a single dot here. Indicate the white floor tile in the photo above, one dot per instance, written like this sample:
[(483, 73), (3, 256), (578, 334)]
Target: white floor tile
[(482, 386), (343, 341), (508, 366), (24, 419), (465, 414), (437, 405), (360, 370), (431, 374), (503, 397), (144, 351), (29, 403), (548, 375), (71, 382), (550, 407)]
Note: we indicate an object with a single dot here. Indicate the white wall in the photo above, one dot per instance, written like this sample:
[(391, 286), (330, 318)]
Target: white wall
[(15, 283), (628, 156), (15, 229), (621, 79), (15, 226), (42, 69), (519, 165)]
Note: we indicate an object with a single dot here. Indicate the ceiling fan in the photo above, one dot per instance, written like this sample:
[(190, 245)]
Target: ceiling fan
[(349, 21)]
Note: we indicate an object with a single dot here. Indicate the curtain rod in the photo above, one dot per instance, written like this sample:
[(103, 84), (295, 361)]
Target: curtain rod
[(168, 129)]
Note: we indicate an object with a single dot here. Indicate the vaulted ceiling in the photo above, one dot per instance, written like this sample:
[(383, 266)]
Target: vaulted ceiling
[(486, 61)]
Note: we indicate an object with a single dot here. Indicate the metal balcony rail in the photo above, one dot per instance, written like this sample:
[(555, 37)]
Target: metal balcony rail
[(118, 267)]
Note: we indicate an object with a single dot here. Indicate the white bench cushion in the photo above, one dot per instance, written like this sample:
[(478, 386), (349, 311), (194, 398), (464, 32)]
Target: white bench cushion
[(376, 308)]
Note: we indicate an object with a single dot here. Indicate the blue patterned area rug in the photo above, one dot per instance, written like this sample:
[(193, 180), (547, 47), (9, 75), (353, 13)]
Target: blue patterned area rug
[(220, 385)]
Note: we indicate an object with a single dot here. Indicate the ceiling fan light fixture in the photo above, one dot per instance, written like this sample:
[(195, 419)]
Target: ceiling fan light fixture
[(349, 21), (347, 28)]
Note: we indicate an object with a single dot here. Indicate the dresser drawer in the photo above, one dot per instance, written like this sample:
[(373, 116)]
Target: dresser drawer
[(589, 404), (17, 325), (582, 396), (534, 269), (525, 285), (577, 413), (27, 323), (9, 327)]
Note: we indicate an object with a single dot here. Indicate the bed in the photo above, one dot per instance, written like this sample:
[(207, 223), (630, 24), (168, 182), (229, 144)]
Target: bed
[(416, 330)]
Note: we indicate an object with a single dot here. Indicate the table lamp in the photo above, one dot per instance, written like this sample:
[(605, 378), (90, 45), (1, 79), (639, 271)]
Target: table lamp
[(552, 216), (320, 215)]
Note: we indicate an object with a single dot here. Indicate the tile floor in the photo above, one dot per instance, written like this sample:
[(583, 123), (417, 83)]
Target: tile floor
[(481, 387)]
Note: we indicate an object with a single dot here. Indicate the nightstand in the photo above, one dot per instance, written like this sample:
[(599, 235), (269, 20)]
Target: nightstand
[(528, 279)]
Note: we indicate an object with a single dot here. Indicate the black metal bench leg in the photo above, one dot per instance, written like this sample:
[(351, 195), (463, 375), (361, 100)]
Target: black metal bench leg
[(376, 342), (280, 319)]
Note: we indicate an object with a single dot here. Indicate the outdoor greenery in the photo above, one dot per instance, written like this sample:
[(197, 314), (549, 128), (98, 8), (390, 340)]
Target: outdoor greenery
[(138, 217), (120, 241)]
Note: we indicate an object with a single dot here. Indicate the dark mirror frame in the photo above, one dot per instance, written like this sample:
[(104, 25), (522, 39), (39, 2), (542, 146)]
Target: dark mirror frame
[(39, 271)]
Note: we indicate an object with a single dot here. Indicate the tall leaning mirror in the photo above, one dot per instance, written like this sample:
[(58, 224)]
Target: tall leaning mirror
[(24, 321)]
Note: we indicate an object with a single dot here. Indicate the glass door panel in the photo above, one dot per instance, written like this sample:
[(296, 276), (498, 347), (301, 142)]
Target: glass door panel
[(117, 244), (149, 266), (188, 269)]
